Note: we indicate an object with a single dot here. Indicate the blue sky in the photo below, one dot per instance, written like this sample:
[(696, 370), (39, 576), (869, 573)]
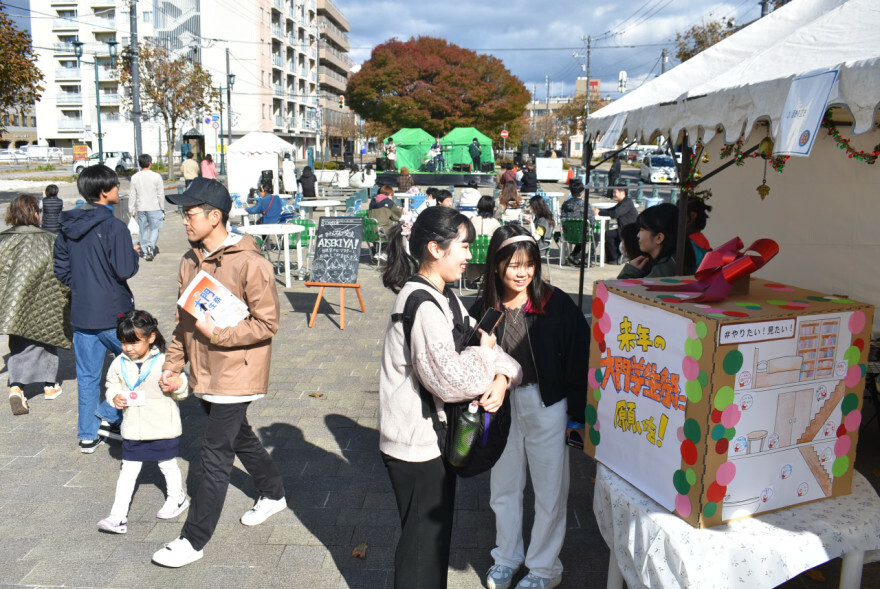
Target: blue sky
[(536, 39)]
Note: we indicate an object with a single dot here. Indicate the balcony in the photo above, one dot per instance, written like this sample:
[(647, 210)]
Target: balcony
[(68, 73), (313, 5), (291, 66), (279, 121), (69, 98), (313, 53), (109, 98), (278, 60), (330, 9), (106, 74), (291, 39), (278, 4), (110, 117), (333, 33), (277, 31), (303, 72), (64, 48), (70, 124), (104, 23), (331, 56), (65, 23), (278, 90)]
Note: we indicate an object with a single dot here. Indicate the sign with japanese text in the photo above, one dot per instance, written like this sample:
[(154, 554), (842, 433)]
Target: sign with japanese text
[(739, 333), (643, 401), (802, 113)]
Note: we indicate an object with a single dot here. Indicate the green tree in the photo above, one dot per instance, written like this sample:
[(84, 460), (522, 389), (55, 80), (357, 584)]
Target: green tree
[(430, 83), (19, 76), (175, 88), (700, 37)]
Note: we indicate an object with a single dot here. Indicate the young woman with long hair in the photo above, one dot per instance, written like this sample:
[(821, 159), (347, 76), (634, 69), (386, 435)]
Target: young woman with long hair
[(545, 332), (423, 483), (658, 226)]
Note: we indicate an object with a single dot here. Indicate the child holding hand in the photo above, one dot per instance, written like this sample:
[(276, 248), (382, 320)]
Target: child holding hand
[(151, 425)]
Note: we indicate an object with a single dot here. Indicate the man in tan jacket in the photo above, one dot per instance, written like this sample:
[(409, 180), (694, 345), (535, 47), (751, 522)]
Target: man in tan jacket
[(189, 169), (229, 367)]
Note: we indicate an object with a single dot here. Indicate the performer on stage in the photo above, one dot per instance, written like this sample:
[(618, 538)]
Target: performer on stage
[(435, 155), (391, 153), (476, 152)]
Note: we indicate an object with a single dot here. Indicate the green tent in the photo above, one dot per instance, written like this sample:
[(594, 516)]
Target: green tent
[(412, 148), (459, 139)]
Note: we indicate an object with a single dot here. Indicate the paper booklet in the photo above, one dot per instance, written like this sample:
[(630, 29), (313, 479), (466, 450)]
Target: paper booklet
[(205, 293)]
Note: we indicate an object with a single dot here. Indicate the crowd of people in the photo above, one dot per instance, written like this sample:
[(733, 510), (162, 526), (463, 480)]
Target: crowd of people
[(532, 368)]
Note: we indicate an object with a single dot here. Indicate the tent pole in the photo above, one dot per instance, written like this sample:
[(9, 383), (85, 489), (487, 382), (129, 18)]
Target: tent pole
[(588, 162), (687, 156)]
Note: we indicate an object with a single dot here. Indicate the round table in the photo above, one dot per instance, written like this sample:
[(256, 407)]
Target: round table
[(311, 205), (284, 230)]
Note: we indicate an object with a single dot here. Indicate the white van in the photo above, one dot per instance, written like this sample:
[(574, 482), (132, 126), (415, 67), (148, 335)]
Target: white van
[(43, 153)]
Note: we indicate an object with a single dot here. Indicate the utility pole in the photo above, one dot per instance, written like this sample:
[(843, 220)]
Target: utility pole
[(589, 41), (547, 95), (534, 106), (664, 59), (228, 101), (135, 81), (222, 148), (765, 7)]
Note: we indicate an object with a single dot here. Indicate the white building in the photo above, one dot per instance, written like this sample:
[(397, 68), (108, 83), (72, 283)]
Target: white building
[(273, 55)]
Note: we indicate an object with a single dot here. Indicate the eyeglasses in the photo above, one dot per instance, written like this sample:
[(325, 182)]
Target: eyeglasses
[(188, 217)]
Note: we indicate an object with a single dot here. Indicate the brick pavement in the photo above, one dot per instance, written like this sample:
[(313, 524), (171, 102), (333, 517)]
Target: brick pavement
[(51, 495)]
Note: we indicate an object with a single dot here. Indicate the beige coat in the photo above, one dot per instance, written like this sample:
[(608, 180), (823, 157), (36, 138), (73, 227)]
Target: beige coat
[(235, 360)]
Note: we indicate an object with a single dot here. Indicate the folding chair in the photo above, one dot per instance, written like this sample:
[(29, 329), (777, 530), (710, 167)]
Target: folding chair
[(373, 235), (572, 230), (479, 249)]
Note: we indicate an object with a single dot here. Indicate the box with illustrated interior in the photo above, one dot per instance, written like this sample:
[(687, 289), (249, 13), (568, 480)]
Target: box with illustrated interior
[(723, 410)]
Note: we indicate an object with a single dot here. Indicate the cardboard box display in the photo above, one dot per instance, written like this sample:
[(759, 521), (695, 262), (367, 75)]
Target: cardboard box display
[(723, 410)]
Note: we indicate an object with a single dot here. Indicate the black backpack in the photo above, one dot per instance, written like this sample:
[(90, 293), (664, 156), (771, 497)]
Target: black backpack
[(494, 427)]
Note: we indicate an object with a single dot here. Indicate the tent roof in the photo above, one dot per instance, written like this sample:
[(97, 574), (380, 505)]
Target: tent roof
[(259, 142), (464, 135), (412, 136), (746, 77)]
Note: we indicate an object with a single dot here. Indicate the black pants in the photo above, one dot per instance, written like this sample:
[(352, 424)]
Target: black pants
[(476, 167), (425, 493), (227, 435), (612, 246)]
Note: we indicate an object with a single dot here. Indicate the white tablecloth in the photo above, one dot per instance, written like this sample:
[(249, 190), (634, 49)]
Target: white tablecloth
[(284, 231), (655, 548)]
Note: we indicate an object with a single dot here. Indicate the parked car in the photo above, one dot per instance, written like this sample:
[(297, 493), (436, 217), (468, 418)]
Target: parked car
[(10, 156), (121, 161), (658, 169)]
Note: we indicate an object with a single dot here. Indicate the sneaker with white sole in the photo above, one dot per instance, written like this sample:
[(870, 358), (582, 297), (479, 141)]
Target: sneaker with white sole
[(173, 507), (500, 576), (533, 581), (89, 446), (113, 526), (262, 510), (52, 391), (177, 553), (17, 401), (109, 430)]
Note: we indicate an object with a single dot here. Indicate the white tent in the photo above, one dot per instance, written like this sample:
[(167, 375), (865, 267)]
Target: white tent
[(249, 156), (823, 210)]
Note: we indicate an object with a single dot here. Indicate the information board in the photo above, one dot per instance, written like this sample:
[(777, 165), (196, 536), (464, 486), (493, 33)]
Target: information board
[(337, 250)]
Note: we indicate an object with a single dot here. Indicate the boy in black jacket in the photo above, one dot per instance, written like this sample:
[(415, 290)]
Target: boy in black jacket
[(94, 256)]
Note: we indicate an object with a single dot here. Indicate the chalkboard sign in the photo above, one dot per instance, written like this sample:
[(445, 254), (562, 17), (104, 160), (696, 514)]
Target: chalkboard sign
[(337, 250)]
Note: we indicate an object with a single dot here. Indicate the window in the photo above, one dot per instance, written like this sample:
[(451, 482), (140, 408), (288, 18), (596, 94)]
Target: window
[(264, 111), (261, 15), (262, 78), (262, 47)]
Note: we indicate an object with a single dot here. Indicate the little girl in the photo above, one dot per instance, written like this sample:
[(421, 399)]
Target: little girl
[(150, 420)]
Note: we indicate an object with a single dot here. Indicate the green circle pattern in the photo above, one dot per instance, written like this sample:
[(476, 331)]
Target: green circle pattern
[(852, 356), (841, 465), (703, 378), (691, 476), (679, 480), (723, 398), (733, 361), (694, 391), (597, 394), (718, 432), (693, 348), (692, 432), (729, 434), (850, 402), (843, 301), (710, 509), (590, 414), (702, 330), (594, 436)]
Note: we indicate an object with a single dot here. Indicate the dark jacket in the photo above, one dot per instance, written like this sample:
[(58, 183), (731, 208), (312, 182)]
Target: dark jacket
[(52, 206), (660, 269), (269, 206), (404, 183), (385, 212), (94, 256), (625, 212), (529, 181), (560, 346), (614, 172), (307, 184)]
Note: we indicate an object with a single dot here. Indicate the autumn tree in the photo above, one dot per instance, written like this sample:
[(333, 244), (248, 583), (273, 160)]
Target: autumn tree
[(700, 37), (19, 76), (174, 88), (571, 114), (430, 83)]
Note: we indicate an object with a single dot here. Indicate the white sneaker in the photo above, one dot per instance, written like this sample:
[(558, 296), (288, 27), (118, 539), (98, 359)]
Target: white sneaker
[(176, 554), (262, 510), (173, 507)]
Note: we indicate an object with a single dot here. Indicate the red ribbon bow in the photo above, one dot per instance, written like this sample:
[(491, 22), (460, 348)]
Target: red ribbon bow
[(722, 267)]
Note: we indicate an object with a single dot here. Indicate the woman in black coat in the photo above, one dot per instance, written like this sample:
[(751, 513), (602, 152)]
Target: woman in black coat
[(307, 182)]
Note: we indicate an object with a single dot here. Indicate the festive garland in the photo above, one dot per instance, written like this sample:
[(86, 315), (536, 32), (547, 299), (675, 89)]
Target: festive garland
[(689, 184), (867, 157), (735, 149)]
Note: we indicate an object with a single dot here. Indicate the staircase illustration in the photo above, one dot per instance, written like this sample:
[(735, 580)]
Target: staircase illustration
[(819, 473), (824, 413)]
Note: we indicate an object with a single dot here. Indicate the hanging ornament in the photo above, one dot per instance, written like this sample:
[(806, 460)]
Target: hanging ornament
[(705, 158), (763, 189), (869, 157)]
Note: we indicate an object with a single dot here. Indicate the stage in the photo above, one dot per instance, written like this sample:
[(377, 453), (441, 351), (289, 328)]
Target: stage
[(426, 179)]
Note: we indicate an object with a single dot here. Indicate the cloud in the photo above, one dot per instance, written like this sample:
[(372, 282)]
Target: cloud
[(519, 32)]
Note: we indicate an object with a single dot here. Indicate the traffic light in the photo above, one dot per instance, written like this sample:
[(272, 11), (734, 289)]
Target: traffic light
[(341, 101)]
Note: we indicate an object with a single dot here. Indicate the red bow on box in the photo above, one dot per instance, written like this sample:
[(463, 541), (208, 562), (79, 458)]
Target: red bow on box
[(722, 267)]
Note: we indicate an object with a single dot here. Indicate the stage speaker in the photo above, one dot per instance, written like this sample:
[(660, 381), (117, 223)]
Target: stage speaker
[(266, 176), (533, 150), (488, 167), (461, 168), (348, 158), (517, 158), (382, 164)]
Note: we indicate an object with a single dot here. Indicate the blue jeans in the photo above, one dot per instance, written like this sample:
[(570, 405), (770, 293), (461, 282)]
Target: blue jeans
[(149, 223), (89, 347)]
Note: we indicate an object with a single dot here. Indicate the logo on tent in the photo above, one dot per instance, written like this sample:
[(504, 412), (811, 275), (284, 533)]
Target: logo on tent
[(805, 137)]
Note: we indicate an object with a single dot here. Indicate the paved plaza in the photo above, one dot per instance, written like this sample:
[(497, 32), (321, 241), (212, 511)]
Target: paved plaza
[(319, 423)]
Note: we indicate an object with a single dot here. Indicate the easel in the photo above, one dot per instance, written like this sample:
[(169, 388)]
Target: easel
[(342, 287)]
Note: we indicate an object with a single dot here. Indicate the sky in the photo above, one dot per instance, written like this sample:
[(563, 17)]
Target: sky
[(536, 38), (16, 8)]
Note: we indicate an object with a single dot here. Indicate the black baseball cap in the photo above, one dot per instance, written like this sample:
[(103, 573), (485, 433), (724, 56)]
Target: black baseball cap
[(203, 191)]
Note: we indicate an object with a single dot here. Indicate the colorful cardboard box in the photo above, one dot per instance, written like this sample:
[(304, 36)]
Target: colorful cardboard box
[(724, 410)]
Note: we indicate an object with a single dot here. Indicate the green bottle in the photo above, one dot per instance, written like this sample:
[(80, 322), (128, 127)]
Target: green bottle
[(466, 431)]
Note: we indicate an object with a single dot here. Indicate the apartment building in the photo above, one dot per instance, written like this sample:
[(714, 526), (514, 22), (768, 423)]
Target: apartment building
[(271, 48), (338, 122)]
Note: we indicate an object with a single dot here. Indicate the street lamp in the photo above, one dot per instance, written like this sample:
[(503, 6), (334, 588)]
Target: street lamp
[(78, 51), (230, 82)]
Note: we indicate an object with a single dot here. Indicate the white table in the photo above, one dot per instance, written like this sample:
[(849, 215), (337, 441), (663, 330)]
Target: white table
[(651, 547), (283, 230), (311, 205), (240, 213), (602, 205), (603, 226)]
